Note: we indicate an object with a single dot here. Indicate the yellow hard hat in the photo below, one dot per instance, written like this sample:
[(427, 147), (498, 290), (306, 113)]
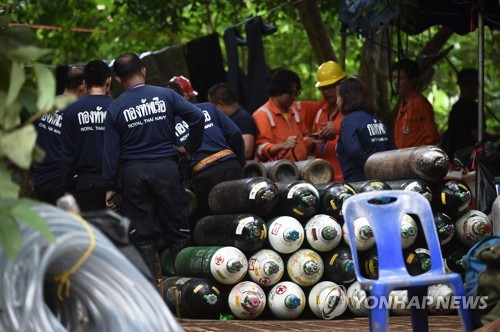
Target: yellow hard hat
[(329, 73)]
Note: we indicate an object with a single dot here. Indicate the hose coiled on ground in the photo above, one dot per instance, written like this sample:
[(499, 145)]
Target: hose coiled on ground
[(105, 293)]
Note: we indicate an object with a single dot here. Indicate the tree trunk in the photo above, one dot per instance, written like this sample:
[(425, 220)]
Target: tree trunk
[(374, 71), (316, 31)]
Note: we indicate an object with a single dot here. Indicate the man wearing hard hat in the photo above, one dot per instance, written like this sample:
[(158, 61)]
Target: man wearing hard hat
[(326, 122)]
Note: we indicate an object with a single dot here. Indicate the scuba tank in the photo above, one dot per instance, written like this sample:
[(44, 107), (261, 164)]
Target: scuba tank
[(167, 263), (315, 170), (327, 300), (398, 301), (367, 186), (417, 260), (227, 265), (442, 300), (323, 232), (472, 227), (193, 201), (256, 195), (368, 263), (416, 185), (253, 169), (429, 163), (452, 197), (266, 267), (356, 300), (409, 231), (286, 300), (246, 232), (363, 233), (305, 267), (285, 234), (332, 197), (453, 253), (339, 266), (281, 170), (444, 226), (192, 297), (298, 199), (246, 300)]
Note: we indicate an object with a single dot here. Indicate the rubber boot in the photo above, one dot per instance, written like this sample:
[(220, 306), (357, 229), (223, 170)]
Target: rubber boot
[(149, 253)]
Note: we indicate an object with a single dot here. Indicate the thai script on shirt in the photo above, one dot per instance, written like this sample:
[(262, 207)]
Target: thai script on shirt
[(145, 109)]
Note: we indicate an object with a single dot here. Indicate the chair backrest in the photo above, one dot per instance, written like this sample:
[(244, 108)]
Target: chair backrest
[(384, 211)]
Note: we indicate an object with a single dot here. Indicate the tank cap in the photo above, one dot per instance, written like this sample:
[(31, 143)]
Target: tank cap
[(292, 301), (210, 298), (309, 200), (329, 233), (291, 235), (234, 265)]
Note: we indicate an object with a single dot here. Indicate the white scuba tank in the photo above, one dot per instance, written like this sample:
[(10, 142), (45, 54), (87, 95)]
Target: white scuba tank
[(356, 300), (327, 300), (472, 227), (442, 301), (363, 234), (323, 232), (286, 300), (266, 267), (247, 300), (286, 234), (305, 267), (409, 231)]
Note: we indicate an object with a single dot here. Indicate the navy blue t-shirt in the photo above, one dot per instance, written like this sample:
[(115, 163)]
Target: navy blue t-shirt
[(83, 135), (361, 135), (140, 125), (220, 133), (244, 121), (49, 139)]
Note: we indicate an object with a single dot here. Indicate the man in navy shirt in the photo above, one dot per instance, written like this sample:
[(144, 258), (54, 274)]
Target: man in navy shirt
[(223, 98), (83, 138), (48, 179), (139, 149), (221, 156)]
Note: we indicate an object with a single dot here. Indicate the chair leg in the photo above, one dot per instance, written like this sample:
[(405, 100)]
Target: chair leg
[(379, 313), (465, 314), (418, 309)]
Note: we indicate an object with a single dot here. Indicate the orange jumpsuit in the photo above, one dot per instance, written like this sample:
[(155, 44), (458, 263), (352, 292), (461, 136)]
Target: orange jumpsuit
[(415, 125), (326, 149), (274, 128)]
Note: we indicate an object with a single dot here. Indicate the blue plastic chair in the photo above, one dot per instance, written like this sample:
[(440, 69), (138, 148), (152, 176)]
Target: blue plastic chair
[(385, 221)]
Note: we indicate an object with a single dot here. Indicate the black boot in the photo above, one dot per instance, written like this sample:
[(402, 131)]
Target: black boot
[(149, 253)]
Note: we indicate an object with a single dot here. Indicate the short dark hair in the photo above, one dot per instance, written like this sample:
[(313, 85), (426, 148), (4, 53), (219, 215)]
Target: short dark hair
[(222, 92), (127, 65), (467, 75), (176, 87), (355, 96), (410, 67), (280, 81), (74, 78), (96, 73)]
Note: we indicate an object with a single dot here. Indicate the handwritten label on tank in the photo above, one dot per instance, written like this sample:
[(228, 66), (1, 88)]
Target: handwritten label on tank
[(242, 224), (276, 228), (255, 189), (251, 264)]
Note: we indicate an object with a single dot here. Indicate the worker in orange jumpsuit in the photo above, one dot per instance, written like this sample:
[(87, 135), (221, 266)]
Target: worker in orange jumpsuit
[(281, 131), (415, 125), (327, 120)]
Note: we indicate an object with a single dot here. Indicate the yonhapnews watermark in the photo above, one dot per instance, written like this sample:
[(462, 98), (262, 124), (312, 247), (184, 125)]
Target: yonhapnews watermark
[(403, 302)]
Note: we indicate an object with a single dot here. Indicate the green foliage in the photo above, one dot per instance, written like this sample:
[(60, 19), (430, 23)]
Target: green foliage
[(19, 64)]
